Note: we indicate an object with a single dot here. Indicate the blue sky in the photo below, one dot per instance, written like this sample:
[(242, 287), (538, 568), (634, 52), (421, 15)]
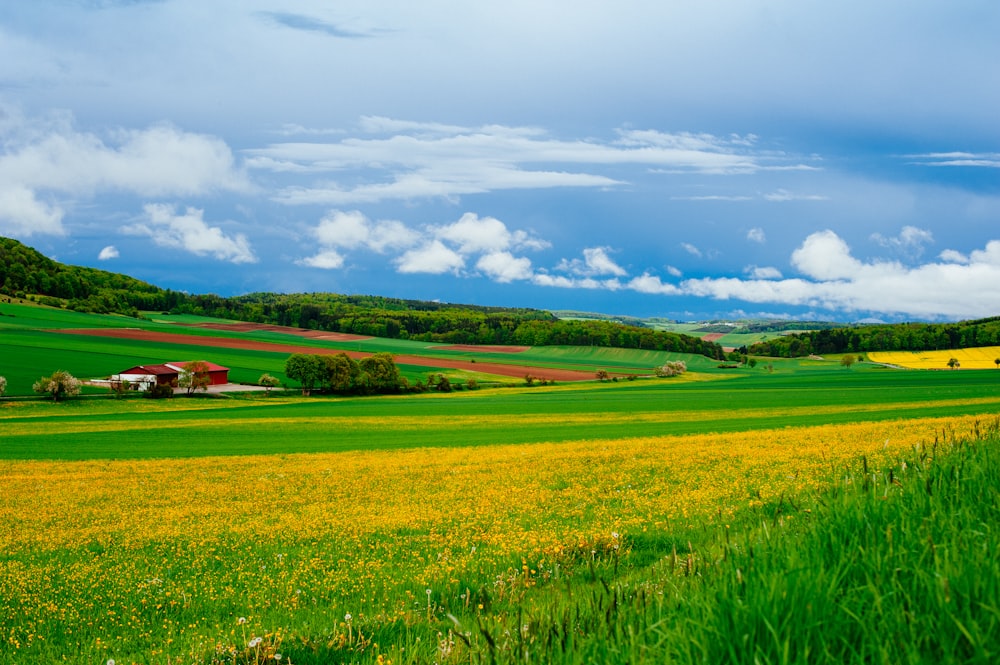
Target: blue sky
[(787, 158)]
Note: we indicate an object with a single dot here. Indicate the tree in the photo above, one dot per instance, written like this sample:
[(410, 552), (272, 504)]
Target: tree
[(995, 362), (671, 368), (308, 370), (847, 360), (382, 372), (195, 376), (268, 382), (953, 363), (341, 372), (602, 375), (60, 385), (3, 385)]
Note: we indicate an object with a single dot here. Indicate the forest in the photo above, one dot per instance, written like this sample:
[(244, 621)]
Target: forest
[(883, 337)]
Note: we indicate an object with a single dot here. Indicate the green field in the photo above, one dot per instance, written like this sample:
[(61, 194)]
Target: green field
[(795, 512)]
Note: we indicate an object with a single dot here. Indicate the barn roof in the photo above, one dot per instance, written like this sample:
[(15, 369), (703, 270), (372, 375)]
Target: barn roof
[(155, 370), (212, 367)]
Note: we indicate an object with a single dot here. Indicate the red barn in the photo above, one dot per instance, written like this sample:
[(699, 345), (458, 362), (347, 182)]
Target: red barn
[(143, 376)]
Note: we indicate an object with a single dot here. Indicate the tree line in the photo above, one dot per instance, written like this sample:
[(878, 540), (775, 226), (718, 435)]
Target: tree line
[(883, 337), (25, 272), (343, 375)]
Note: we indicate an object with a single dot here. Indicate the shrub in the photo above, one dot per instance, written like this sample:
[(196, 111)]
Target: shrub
[(59, 386), (671, 368)]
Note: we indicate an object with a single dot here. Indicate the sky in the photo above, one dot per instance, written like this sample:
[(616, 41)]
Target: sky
[(689, 160)]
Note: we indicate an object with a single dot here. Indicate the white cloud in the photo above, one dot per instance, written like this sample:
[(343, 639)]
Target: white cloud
[(909, 242), (763, 272), (190, 232), (824, 255), (473, 234), (108, 253), (413, 160), (952, 256), (328, 259), (756, 235), (652, 284), (782, 195), (595, 263), (353, 229), (432, 257), (22, 214), (504, 267), (967, 159), (673, 271), (691, 249), (45, 165), (561, 281)]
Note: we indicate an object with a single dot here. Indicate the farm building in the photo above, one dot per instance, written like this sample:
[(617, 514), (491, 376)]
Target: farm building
[(143, 376)]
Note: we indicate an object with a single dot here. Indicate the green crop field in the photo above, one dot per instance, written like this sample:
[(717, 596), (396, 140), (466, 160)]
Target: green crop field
[(794, 512)]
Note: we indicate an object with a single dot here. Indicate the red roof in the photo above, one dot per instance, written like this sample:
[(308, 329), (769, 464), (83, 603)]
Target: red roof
[(212, 367)]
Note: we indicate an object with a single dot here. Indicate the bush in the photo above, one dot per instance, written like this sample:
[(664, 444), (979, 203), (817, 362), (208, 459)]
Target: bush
[(59, 386), (672, 368), (159, 391)]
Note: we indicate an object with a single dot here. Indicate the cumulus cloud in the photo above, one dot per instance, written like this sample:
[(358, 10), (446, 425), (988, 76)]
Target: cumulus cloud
[(45, 165), (484, 242), (22, 214), (825, 256), (353, 230), (504, 267), (328, 259), (595, 263), (432, 258), (763, 272), (190, 232), (108, 253), (910, 241), (473, 234)]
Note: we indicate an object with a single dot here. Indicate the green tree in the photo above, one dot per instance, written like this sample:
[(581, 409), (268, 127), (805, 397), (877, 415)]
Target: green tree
[(997, 363), (382, 372), (953, 363), (194, 376), (59, 386), (847, 360), (268, 382), (341, 372), (309, 370)]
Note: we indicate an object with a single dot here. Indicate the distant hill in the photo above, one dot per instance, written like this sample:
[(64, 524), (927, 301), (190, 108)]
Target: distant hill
[(26, 273)]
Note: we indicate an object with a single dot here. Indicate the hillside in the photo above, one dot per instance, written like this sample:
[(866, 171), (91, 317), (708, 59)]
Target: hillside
[(25, 272)]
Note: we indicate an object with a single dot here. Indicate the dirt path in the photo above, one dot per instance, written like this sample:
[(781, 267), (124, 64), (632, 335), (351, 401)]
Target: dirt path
[(517, 371)]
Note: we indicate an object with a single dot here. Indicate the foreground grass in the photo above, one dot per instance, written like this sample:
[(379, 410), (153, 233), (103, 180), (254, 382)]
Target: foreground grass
[(768, 546)]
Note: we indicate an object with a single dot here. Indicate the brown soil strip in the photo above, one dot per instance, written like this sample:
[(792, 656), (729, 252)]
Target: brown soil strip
[(288, 330), (518, 371), (711, 337), (484, 348)]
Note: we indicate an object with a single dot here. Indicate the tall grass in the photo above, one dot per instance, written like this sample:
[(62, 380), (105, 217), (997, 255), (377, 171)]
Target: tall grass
[(893, 565)]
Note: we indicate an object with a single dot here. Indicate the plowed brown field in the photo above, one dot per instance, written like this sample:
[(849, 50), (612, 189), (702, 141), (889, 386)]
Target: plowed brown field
[(517, 371)]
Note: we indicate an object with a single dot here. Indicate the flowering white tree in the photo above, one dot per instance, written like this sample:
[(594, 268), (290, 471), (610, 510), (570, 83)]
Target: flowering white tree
[(3, 385), (672, 368), (60, 385)]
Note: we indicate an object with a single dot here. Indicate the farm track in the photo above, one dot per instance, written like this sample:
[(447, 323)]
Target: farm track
[(500, 369)]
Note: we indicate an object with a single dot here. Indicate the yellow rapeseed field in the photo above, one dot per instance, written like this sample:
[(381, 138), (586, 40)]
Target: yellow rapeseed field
[(976, 358), (190, 556)]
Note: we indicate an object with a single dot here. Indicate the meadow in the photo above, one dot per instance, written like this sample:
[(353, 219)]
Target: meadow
[(797, 513)]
